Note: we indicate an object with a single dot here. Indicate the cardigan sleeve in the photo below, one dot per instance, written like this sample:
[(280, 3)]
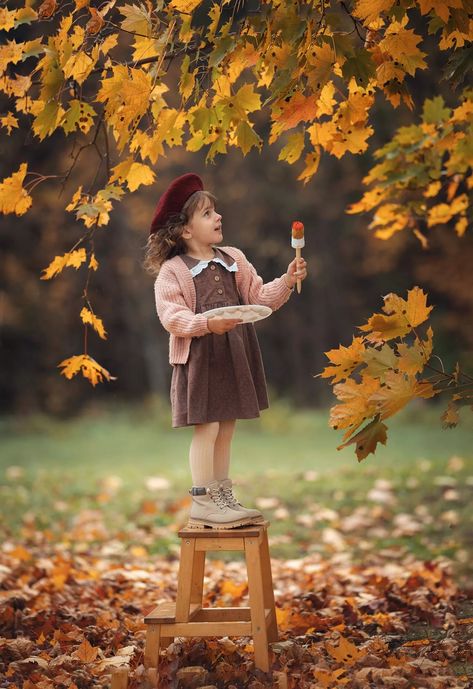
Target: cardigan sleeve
[(176, 317), (273, 294)]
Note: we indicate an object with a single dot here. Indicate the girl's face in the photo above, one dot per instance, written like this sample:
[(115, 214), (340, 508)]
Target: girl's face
[(204, 228)]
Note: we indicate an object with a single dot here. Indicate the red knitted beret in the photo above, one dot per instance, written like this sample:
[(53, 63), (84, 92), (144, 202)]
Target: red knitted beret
[(174, 198)]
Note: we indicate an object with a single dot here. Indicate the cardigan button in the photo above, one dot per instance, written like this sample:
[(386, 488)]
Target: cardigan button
[(217, 278), (212, 267), (220, 291)]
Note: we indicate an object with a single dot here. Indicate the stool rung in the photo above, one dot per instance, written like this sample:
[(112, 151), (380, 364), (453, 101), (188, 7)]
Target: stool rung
[(199, 615), (165, 613)]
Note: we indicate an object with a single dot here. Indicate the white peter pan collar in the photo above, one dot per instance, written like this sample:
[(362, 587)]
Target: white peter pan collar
[(201, 265)]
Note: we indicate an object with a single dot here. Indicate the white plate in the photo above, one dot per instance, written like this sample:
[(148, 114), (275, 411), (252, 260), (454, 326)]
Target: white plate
[(248, 313)]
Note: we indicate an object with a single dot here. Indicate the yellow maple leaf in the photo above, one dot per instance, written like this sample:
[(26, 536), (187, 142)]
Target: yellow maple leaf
[(89, 368), (18, 86), (48, 119), (368, 438), (330, 678), (413, 359), (326, 101), (13, 198), (90, 318), (93, 263), (321, 59), (403, 316), (463, 112), (369, 10), (243, 57), (10, 52), (440, 7), (187, 81), (137, 19), (356, 404), (9, 121), (391, 217), (95, 210), (461, 226), (72, 258), (78, 196), (78, 67), (415, 310), (126, 94), (148, 146), (382, 328), (378, 361), (401, 44), (184, 5), (346, 359), (246, 100), (432, 189), (344, 651), (134, 174), (311, 161), (369, 200), (397, 391), (353, 140), (293, 148), (444, 212), (7, 18), (246, 137), (147, 47), (79, 116), (323, 133)]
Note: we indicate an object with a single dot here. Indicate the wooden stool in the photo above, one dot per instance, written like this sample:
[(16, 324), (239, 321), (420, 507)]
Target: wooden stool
[(187, 617)]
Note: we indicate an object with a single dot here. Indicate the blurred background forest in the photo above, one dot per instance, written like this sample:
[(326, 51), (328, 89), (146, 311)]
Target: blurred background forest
[(349, 270)]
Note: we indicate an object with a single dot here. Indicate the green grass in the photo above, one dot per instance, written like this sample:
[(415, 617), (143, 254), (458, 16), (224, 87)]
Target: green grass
[(66, 468)]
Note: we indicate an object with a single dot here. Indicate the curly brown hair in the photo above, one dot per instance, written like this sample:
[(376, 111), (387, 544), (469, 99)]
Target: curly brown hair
[(167, 241)]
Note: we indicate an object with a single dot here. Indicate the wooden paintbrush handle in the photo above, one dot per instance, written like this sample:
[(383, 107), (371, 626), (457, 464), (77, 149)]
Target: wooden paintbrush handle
[(298, 283)]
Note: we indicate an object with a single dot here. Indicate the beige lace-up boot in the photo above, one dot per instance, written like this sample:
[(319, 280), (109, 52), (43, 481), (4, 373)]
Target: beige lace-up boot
[(209, 508), (227, 491)]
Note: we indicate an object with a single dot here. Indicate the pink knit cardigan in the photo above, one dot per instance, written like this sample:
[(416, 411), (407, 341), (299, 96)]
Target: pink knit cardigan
[(176, 299)]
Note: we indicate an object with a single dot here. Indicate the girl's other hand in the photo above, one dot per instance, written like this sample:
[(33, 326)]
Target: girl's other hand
[(220, 326), (296, 270)]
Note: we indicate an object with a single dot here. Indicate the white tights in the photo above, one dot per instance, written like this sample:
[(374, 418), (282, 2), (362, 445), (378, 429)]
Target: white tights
[(209, 454)]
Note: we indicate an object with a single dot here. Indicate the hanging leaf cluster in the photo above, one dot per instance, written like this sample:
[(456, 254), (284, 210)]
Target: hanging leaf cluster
[(385, 368), (424, 177)]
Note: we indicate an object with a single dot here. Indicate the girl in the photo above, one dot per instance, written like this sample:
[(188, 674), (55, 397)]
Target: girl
[(218, 373)]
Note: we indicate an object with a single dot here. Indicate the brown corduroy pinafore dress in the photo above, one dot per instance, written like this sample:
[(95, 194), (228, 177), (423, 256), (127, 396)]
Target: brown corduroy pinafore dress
[(223, 378)]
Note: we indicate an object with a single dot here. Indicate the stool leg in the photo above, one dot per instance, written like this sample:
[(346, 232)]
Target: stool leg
[(184, 583), (153, 636), (256, 596), (268, 587), (197, 585)]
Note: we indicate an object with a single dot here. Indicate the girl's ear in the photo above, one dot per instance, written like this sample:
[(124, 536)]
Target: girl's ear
[(186, 233)]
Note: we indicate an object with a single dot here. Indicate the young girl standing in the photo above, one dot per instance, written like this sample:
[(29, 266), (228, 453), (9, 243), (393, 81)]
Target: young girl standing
[(218, 374)]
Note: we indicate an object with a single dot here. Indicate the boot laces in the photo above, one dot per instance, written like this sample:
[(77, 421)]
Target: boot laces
[(217, 497), (228, 496)]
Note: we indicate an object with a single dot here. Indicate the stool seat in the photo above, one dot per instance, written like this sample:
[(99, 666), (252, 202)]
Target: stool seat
[(188, 618)]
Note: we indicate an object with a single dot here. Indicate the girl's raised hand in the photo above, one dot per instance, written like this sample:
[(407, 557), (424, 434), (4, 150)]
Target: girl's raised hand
[(296, 270), (220, 326)]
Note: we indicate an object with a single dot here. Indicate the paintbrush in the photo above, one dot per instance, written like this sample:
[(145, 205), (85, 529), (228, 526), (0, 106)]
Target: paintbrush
[(297, 243)]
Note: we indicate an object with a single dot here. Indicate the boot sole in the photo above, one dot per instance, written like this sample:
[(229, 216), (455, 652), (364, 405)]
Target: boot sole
[(203, 523)]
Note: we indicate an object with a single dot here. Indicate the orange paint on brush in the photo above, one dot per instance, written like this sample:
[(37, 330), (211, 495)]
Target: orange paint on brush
[(297, 230)]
